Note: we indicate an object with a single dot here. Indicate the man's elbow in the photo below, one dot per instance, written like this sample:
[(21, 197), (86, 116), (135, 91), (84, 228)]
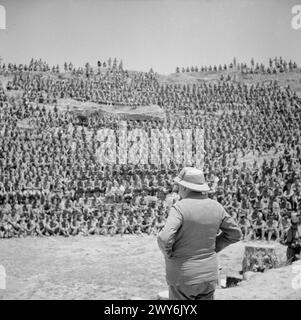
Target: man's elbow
[(236, 236), (225, 239), (160, 241), (164, 244)]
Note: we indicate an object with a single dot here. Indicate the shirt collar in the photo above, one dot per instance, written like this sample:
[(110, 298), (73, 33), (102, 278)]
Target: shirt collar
[(197, 195)]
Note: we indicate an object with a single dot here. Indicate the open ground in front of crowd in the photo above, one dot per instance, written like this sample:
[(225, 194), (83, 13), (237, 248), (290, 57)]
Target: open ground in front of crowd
[(117, 268)]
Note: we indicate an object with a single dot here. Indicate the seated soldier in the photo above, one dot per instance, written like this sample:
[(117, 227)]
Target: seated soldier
[(131, 224), (284, 226), (23, 227), (128, 193), (259, 227), (122, 225), (31, 227), (138, 226), (272, 228), (14, 222), (103, 225), (46, 225), (52, 226), (64, 227), (159, 224), (154, 185), (7, 229), (83, 230), (162, 191), (253, 215), (276, 207), (119, 191), (75, 226), (143, 202), (253, 195), (245, 226), (147, 225), (40, 227), (111, 225), (110, 195), (145, 184), (92, 226)]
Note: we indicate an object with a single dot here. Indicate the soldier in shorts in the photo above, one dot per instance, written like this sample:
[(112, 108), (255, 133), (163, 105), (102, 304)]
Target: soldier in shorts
[(259, 227)]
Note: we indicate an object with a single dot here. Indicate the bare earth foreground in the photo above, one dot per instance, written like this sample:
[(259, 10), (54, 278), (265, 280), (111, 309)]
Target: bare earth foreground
[(117, 268)]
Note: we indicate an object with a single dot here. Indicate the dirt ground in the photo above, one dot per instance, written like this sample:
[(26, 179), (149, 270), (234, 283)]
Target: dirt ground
[(115, 268)]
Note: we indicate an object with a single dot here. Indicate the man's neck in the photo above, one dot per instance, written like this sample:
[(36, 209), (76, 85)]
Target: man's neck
[(196, 195)]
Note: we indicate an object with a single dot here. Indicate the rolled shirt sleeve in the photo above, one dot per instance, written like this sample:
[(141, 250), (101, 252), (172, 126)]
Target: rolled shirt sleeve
[(230, 232), (166, 237)]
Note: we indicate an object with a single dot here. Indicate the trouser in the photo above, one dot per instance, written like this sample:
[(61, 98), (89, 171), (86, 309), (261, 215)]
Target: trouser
[(200, 291)]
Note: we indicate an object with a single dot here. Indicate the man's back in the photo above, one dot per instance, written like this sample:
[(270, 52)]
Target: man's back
[(191, 238), (192, 241), (201, 222)]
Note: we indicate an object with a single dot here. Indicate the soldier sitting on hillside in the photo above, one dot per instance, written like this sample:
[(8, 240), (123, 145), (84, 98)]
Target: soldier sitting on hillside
[(259, 227), (245, 226), (272, 228)]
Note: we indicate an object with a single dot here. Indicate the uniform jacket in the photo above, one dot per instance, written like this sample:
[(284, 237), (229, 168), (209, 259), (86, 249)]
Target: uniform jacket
[(196, 229)]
